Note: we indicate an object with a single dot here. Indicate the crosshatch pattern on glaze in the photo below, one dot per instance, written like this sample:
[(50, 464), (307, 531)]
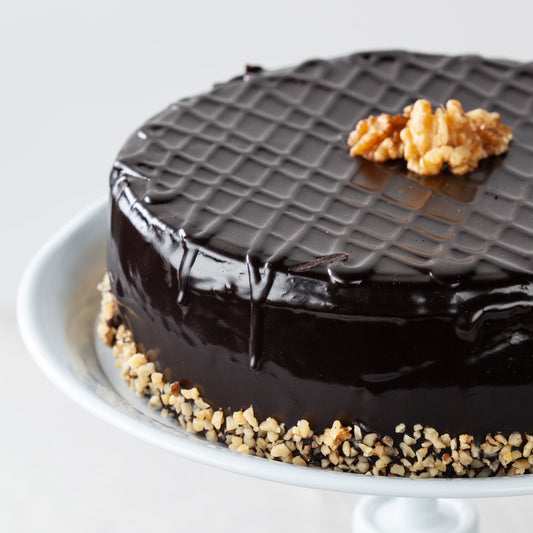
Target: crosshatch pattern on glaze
[(268, 151)]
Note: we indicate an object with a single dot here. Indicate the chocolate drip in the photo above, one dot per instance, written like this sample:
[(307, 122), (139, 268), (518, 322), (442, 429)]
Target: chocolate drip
[(184, 273), (260, 281)]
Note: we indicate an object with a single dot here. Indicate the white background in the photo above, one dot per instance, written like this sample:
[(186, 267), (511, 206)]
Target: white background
[(75, 79)]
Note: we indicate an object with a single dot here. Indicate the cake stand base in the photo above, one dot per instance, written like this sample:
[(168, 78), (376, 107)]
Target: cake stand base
[(377, 514), (57, 308)]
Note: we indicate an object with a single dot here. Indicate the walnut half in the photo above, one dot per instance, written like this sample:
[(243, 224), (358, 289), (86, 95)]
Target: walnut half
[(428, 139)]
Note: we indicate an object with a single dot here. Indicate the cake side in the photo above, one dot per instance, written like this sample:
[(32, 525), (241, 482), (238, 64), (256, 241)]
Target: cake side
[(415, 451), (326, 365)]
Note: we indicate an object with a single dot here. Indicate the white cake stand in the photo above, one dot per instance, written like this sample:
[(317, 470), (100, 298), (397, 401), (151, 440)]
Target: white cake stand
[(57, 307)]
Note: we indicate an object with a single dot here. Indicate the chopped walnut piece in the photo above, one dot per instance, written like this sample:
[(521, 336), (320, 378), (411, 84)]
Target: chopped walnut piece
[(428, 139), (175, 388), (495, 137), (334, 436), (378, 138)]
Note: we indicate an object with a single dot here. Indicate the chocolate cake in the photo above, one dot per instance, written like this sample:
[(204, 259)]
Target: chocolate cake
[(253, 262)]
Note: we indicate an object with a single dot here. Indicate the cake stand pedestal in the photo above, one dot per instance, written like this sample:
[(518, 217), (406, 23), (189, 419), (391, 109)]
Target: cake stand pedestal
[(57, 309), (379, 514)]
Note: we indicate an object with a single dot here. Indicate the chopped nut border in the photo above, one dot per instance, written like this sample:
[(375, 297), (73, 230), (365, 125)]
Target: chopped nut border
[(420, 453)]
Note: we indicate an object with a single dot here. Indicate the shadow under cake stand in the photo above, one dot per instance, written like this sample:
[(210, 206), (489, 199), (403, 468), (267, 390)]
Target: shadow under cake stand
[(57, 307)]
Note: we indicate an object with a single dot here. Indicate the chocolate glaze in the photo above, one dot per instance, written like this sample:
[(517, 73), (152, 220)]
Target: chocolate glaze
[(263, 264)]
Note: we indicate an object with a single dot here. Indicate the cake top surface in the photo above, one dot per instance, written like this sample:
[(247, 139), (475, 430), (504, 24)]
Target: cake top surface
[(259, 167)]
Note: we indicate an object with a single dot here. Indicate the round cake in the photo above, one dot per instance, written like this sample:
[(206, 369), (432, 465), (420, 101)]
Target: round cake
[(323, 309)]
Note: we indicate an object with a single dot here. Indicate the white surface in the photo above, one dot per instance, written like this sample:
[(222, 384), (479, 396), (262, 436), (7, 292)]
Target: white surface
[(379, 514), (76, 79), (57, 307)]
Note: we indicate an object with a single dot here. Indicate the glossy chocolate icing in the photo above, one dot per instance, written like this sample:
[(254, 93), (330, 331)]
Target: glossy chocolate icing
[(264, 265)]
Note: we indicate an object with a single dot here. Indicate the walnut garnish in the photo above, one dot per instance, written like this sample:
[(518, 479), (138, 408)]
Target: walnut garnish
[(428, 139)]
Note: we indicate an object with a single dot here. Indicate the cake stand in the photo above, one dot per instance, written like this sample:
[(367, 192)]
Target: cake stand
[(57, 308)]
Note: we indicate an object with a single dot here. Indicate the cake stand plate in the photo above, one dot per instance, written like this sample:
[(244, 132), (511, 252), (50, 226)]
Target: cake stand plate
[(57, 308)]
